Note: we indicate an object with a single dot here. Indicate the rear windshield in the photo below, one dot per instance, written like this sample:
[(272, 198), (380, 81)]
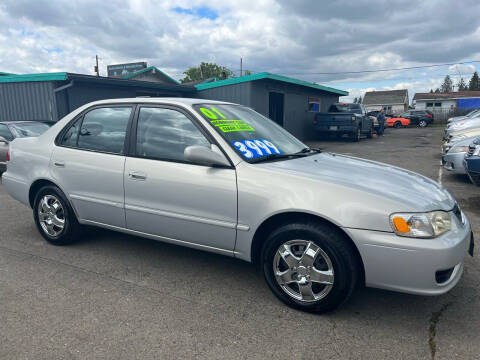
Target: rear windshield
[(28, 129), (346, 108)]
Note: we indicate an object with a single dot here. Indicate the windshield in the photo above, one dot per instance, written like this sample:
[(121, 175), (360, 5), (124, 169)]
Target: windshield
[(249, 133), (347, 108), (28, 129)]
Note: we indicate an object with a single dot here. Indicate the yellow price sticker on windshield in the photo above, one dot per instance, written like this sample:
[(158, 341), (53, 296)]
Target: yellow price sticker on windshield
[(220, 121)]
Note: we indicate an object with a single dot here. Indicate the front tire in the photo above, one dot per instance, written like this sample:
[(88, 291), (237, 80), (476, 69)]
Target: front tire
[(309, 266), (397, 124), (422, 124), (54, 216)]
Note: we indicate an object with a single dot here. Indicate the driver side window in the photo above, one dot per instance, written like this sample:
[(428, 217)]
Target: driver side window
[(163, 134)]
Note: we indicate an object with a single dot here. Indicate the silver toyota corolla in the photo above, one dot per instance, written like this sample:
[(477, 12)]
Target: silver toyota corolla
[(220, 177)]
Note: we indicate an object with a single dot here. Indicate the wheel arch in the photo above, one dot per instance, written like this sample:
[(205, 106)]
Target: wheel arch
[(269, 224), (37, 185)]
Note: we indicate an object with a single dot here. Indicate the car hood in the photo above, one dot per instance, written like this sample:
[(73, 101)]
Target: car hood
[(414, 191)]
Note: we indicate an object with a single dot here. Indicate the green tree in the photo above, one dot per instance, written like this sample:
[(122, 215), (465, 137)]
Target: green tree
[(461, 85), (247, 72), (205, 71), (431, 91), (474, 83), (447, 85), (359, 101), (437, 90), (355, 100)]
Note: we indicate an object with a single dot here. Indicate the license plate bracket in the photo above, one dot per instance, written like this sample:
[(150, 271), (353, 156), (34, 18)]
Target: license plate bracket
[(333, 127)]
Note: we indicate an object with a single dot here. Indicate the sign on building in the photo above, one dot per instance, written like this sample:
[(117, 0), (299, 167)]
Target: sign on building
[(121, 70)]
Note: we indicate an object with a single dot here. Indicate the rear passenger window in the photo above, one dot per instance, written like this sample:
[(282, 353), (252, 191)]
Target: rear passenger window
[(104, 129), (164, 134), (71, 136)]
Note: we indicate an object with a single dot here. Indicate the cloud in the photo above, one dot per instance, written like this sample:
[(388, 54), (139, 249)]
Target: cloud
[(301, 38)]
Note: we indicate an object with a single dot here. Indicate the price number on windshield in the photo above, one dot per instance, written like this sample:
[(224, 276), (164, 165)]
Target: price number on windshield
[(251, 149)]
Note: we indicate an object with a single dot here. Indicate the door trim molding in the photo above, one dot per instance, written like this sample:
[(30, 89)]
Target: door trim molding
[(97, 201), (221, 223), (160, 238)]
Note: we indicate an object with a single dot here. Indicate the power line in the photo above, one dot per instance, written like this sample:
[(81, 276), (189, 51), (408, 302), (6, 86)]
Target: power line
[(383, 70)]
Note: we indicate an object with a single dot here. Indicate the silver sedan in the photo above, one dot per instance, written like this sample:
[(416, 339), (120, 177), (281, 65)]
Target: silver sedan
[(221, 177)]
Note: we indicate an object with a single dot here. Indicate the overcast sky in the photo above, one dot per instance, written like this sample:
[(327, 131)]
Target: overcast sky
[(299, 38)]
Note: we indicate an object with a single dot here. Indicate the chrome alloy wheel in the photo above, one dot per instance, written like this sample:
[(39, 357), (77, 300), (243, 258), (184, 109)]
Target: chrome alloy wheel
[(303, 270), (51, 215)]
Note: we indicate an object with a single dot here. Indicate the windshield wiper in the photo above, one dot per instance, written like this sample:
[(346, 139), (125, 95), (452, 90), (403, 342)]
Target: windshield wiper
[(277, 156), (308, 150)]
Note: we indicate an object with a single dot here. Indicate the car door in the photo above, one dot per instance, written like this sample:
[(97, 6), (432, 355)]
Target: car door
[(88, 163), (7, 135), (167, 196)]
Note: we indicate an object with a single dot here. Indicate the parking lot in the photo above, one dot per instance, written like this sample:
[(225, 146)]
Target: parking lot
[(117, 296)]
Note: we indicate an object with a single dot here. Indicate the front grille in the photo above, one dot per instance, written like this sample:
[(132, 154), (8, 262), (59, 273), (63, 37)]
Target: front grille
[(458, 213)]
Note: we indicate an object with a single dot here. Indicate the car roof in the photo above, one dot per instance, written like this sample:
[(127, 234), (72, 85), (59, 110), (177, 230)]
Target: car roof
[(24, 121), (160, 100)]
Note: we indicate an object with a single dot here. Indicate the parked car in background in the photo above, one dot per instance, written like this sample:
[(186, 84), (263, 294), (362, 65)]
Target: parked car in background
[(398, 122), (220, 177), (472, 123), (454, 137), (10, 130), (472, 162), (374, 121), (471, 114), (452, 159), (344, 118), (421, 118)]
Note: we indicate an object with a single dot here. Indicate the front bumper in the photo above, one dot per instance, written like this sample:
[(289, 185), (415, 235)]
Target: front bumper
[(413, 265), (454, 162)]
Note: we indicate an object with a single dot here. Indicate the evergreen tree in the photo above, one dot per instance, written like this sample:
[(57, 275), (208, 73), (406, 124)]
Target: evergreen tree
[(474, 83), (437, 90), (431, 91), (359, 100), (461, 85), (447, 85)]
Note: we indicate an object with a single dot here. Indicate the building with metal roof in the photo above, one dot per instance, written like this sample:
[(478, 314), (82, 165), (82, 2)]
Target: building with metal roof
[(50, 96), (292, 103)]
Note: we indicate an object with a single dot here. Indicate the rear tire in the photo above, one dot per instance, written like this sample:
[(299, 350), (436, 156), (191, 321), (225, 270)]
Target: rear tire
[(317, 280), (422, 124), (370, 134), (397, 125), (54, 216)]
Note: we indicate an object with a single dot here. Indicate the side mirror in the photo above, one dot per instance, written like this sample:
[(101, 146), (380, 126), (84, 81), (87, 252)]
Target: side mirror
[(205, 156), (3, 140)]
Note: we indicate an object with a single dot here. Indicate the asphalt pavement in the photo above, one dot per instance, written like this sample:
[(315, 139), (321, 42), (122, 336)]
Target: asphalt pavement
[(114, 296)]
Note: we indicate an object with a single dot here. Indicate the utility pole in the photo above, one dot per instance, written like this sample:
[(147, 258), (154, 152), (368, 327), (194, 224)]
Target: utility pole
[(96, 66), (241, 66)]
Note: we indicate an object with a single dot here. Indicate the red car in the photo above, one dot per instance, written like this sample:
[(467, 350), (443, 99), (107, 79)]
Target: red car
[(397, 122)]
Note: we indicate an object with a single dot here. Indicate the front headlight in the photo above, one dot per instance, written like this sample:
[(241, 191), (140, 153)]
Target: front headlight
[(458, 149), (476, 152), (421, 225)]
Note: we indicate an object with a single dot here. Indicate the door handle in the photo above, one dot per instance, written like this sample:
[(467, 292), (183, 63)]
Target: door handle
[(134, 175), (59, 163)]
